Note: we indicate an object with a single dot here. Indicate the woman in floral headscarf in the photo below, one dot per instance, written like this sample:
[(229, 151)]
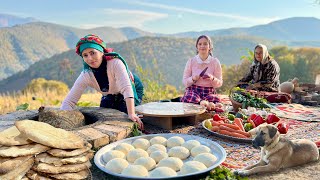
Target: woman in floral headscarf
[(108, 73), (264, 72)]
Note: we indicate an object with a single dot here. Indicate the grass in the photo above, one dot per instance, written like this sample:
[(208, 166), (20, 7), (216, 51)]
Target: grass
[(9, 102)]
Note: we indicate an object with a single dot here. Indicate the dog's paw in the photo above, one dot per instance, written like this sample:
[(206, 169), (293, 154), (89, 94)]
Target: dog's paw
[(241, 172)]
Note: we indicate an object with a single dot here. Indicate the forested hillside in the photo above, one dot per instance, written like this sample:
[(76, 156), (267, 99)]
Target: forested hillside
[(23, 45), (168, 56)]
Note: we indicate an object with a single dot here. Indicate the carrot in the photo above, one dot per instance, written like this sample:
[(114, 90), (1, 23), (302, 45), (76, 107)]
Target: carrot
[(250, 121), (216, 123), (233, 126), (238, 122), (222, 127), (234, 134), (215, 128)]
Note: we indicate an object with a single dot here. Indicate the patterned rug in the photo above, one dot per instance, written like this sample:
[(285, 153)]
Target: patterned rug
[(297, 111), (290, 111)]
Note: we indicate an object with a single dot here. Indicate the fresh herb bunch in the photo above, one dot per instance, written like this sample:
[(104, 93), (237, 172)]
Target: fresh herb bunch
[(135, 130), (223, 173), (241, 96)]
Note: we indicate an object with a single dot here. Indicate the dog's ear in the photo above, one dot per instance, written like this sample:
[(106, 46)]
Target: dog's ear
[(272, 131)]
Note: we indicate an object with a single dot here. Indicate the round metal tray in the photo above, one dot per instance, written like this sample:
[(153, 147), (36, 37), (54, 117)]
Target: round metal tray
[(244, 140), (216, 149)]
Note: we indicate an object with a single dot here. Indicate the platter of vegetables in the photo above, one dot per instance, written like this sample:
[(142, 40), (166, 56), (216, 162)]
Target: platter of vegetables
[(236, 126)]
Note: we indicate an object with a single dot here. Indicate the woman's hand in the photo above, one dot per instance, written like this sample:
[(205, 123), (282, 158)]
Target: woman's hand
[(208, 76), (136, 119), (195, 78)]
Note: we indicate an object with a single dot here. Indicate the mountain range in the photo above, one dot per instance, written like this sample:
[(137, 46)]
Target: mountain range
[(39, 44)]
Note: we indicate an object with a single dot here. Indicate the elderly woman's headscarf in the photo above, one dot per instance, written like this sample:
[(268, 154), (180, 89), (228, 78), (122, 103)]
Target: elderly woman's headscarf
[(265, 53)]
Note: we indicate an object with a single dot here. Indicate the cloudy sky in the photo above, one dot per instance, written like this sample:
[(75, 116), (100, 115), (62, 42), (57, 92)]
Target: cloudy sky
[(161, 16)]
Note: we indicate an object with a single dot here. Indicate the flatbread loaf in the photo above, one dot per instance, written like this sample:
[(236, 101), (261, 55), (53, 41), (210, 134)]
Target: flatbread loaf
[(7, 164), (20, 171), (13, 137), (57, 161), (25, 150), (79, 175), (48, 135), (36, 176), (70, 168), (70, 152)]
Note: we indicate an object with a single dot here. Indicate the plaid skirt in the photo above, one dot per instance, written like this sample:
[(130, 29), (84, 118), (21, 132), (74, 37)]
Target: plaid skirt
[(195, 94)]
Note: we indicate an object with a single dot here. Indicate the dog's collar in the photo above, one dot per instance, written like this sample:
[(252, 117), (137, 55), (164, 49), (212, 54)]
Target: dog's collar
[(274, 143)]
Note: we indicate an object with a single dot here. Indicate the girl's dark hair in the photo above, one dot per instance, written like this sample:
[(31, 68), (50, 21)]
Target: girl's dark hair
[(209, 40)]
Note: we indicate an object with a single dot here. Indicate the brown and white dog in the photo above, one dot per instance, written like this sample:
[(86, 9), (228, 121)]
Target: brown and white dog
[(278, 152)]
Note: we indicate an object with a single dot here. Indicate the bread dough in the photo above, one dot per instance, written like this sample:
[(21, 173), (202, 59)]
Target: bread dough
[(141, 143), (192, 167), (207, 159), (200, 149), (124, 147), (135, 154), (106, 157), (179, 152), (175, 141), (158, 140), (158, 155), (116, 165), (135, 170), (191, 144), (156, 147), (147, 162), (162, 172), (171, 162)]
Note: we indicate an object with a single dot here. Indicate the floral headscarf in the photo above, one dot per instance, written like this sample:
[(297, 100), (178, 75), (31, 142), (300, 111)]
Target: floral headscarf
[(92, 39)]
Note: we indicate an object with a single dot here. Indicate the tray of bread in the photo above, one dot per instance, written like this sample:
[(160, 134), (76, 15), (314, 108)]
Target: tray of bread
[(160, 156)]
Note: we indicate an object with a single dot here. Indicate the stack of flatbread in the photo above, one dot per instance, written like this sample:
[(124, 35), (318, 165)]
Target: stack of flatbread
[(37, 150)]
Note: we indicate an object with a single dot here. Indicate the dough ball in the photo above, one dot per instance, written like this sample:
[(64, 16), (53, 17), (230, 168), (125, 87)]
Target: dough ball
[(175, 141), (179, 152), (207, 159), (147, 162), (191, 144), (199, 149), (116, 165), (162, 172), (192, 167), (106, 157), (135, 170), (171, 162), (158, 140), (141, 143), (124, 147), (156, 147), (158, 155), (135, 154)]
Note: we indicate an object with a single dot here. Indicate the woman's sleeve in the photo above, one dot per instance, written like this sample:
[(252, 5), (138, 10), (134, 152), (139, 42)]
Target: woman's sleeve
[(217, 82), (249, 76), (74, 94), (122, 79), (272, 72), (187, 75)]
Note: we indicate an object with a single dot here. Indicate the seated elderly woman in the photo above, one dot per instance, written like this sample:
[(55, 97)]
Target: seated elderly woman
[(264, 72)]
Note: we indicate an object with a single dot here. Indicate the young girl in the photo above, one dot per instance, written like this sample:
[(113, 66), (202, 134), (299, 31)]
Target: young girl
[(108, 73), (201, 86)]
